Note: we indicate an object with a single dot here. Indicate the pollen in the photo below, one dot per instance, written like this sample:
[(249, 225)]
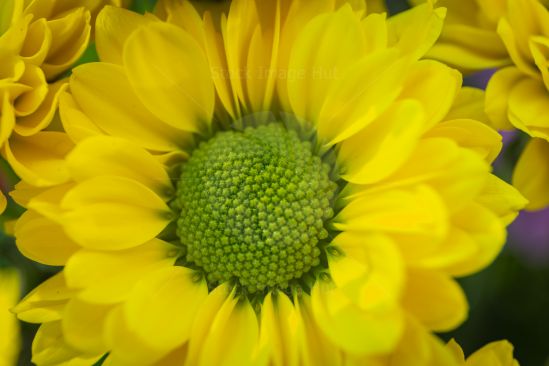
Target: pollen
[(252, 207)]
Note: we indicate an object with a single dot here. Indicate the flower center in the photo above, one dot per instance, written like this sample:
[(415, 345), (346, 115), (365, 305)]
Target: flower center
[(252, 207)]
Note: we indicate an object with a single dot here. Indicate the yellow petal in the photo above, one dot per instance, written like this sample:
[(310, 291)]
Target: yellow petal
[(420, 347), (502, 198), (7, 119), (70, 37), (417, 210), (50, 349), (225, 331), (109, 277), (169, 72), (528, 103), (106, 97), (318, 66), (165, 304), (498, 91), (457, 174), (436, 300), (435, 86), (487, 232), (43, 240), (370, 155), (468, 104), (112, 28), (10, 343), (360, 94), (278, 332), (127, 213), (354, 329), (493, 354), (28, 102), (75, 123), (469, 48), (83, 326), (313, 345), (39, 159), (46, 302), (105, 155), (508, 34), (472, 135), (416, 30), (37, 42), (9, 10), (456, 350), (3, 202), (370, 271), (531, 176)]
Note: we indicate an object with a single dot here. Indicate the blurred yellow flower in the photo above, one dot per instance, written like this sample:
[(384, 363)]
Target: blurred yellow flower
[(469, 41), (517, 96), (10, 341), (39, 41), (240, 193)]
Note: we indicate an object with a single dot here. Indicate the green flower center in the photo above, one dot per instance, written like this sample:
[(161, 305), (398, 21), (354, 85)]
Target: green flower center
[(252, 207)]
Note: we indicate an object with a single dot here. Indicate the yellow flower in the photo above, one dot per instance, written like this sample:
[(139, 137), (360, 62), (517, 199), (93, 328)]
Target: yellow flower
[(39, 41), (469, 40), (9, 325), (241, 193), (517, 96)]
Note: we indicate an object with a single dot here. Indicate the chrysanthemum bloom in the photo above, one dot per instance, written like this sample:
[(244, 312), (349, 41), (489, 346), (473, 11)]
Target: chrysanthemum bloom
[(517, 96), (286, 184), (9, 325), (39, 41)]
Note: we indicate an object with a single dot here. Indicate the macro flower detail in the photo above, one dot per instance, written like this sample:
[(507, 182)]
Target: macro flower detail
[(517, 96), (39, 41), (239, 193)]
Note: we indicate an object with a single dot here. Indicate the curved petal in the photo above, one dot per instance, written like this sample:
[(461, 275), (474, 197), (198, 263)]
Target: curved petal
[(48, 348), (169, 72), (495, 353), (278, 333), (113, 213), (436, 300), (370, 155), (39, 159), (486, 231), (75, 123), (113, 27), (498, 91), (370, 271), (470, 134), (416, 30), (104, 94), (43, 240), (109, 277), (416, 210), (83, 326), (105, 155), (166, 304), (531, 175), (354, 329), (42, 117), (528, 106), (435, 86), (315, 63), (46, 302), (225, 331)]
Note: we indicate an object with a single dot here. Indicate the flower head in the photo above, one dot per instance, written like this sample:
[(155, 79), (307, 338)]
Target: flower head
[(39, 41), (240, 193), (517, 96)]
